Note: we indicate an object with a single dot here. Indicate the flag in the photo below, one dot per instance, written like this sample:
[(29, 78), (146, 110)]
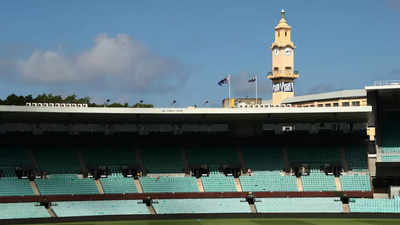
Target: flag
[(224, 81), (253, 79)]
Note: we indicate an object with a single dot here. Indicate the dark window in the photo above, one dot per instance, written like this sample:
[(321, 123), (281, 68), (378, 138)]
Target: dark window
[(356, 103), (320, 105), (336, 104), (345, 103), (328, 105)]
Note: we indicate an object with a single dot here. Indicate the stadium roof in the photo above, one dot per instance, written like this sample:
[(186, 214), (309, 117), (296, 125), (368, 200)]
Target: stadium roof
[(166, 115), (357, 93)]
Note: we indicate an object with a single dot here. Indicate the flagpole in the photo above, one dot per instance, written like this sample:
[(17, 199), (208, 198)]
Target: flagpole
[(229, 88), (256, 88)]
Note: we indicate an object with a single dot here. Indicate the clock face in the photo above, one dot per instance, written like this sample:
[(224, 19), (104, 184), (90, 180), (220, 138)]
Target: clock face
[(288, 51), (276, 51)]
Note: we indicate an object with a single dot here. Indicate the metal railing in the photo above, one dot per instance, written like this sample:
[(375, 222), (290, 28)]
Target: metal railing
[(386, 82)]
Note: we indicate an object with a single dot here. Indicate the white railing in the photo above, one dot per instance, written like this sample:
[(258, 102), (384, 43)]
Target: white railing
[(386, 82), (56, 105)]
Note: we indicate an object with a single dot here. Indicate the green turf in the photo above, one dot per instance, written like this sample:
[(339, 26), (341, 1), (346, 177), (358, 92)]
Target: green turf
[(243, 222)]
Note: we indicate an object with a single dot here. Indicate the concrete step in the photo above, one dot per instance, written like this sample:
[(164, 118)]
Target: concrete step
[(33, 159), (338, 184), (344, 159), (184, 159), (138, 185), (99, 186), (82, 162), (200, 185), (151, 210), (346, 208), (238, 185), (285, 157), (299, 184), (51, 212), (253, 208), (241, 158), (35, 187)]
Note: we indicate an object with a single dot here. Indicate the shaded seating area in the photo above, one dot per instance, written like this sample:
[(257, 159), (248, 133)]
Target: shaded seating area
[(218, 182), (169, 184), (118, 184), (59, 184), (356, 182), (268, 181), (163, 160)]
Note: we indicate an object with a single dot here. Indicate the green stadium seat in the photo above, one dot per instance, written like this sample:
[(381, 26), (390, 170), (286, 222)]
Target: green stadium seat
[(22, 211), (268, 181), (218, 182), (57, 160), (184, 206), (64, 184), (361, 205), (99, 208), (12, 186), (163, 160), (356, 182), (318, 181), (299, 205), (263, 158), (214, 157), (169, 184), (118, 184)]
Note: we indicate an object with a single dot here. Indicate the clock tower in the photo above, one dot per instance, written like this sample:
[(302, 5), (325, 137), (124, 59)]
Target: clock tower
[(283, 73)]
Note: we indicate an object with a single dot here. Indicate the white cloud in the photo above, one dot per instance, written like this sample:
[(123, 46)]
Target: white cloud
[(116, 61)]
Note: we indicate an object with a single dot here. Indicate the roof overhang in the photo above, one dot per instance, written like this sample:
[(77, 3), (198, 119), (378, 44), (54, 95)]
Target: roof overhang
[(182, 115)]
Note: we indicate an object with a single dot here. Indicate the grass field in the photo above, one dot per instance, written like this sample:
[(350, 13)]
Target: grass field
[(244, 222)]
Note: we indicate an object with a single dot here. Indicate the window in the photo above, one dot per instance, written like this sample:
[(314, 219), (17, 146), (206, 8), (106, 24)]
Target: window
[(311, 105), (328, 105), (335, 104), (345, 103), (320, 105), (356, 103), (285, 33)]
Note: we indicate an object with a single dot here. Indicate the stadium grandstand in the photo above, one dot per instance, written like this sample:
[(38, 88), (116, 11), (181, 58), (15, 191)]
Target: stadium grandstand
[(59, 162)]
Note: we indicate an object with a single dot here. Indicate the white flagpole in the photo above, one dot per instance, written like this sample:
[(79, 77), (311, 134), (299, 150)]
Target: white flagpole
[(256, 88), (229, 88)]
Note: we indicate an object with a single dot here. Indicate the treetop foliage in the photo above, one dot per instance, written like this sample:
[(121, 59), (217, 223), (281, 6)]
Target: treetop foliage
[(49, 98)]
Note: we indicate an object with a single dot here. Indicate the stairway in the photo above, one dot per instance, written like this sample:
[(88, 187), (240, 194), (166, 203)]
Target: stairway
[(82, 163), (241, 158), (99, 186), (346, 208), (51, 212), (344, 159), (299, 184), (285, 157), (200, 184), (151, 210), (253, 208), (138, 185), (35, 187), (183, 155), (238, 185), (33, 159), (338, 184)]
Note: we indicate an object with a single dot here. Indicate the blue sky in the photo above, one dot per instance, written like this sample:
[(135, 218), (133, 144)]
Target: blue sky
[(158, 51)]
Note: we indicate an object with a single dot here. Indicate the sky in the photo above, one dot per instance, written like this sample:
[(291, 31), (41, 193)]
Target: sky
[(160, 51)]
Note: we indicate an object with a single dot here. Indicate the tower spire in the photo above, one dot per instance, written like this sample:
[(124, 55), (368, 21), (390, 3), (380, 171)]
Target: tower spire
[(283, 14)]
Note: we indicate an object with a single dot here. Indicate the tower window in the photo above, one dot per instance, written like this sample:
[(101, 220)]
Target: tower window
[(285, 33), (279, 33)]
